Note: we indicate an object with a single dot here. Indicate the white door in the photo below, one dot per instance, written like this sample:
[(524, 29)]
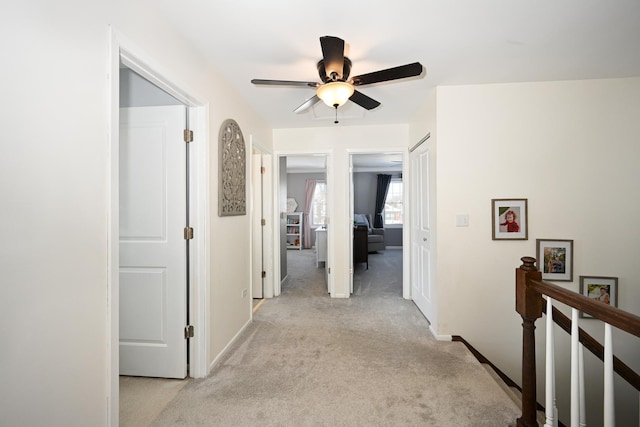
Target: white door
[(422, 245), (257, 285), (153, 263)]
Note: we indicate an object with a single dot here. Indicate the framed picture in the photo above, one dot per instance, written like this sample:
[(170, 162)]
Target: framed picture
[(555, 259), (603, 289), (509, 219)]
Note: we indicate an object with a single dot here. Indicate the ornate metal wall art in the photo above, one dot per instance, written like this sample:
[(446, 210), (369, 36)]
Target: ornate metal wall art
[(231, 170)]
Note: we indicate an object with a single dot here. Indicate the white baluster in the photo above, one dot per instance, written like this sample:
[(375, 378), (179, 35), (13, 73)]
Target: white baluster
[(609, 409), (583, 404), (575, 377), (550, 380)]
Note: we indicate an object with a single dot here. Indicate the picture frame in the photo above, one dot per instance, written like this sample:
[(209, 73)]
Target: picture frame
[(600, 288), (503, 228), (555, 259), (232, 160)]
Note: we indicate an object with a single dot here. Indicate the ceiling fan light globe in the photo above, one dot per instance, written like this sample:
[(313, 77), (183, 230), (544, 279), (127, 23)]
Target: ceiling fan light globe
[(335, 94)]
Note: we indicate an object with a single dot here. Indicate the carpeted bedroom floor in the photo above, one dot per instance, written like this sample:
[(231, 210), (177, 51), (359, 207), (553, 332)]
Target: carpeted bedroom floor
[(310, 360)]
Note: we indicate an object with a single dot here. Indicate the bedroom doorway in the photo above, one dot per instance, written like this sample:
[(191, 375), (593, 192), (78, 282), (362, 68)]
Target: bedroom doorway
[(303, 211), (377, 200)]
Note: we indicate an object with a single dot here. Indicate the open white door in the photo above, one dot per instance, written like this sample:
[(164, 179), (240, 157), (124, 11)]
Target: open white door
[(422, 245), (153, 194)]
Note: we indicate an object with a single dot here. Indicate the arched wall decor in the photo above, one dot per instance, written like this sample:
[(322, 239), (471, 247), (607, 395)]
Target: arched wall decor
[(232, 170)]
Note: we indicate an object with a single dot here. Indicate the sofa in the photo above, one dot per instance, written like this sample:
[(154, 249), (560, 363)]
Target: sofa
[(375, 236)]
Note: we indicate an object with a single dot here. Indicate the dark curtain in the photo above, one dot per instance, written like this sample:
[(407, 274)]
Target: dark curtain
[(381, 197)]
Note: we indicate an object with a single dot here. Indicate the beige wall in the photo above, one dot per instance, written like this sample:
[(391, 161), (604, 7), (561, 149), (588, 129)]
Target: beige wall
[(55, 201), (571, 148), (339, 142)]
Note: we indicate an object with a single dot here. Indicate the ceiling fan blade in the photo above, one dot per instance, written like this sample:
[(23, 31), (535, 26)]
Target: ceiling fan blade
[(395, 73), (333, 55), (307, 104), (363, 100), (283, 83)]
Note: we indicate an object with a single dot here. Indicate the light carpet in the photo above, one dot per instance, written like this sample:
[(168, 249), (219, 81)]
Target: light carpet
[(310, 360)]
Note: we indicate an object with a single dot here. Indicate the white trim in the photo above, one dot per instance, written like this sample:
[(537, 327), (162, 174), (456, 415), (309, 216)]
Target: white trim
[(200, 260), (113, 255), (439, 337), (121, 49)]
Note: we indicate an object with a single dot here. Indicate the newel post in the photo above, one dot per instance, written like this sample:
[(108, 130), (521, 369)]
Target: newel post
[(529, 306)]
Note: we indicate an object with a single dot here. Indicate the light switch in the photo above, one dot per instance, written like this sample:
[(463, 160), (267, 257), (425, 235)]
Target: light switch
[(462, 220)]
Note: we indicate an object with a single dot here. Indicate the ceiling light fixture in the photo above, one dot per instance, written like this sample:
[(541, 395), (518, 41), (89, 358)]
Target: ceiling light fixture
[(335, 94)]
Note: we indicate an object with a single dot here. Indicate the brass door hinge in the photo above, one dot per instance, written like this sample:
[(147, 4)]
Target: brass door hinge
[(188, 332), (263, 221), (188, 135), (188, 233), (263, 170), (264, 274)]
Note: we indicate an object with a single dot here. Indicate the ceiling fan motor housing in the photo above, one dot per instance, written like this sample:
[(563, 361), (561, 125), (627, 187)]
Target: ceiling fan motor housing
[(322, 72)]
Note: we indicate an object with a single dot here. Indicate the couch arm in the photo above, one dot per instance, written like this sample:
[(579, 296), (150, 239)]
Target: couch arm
[(379, 231)]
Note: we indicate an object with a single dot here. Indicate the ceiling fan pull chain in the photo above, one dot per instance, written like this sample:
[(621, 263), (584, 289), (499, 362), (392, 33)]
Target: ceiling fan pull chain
[(336, 107)]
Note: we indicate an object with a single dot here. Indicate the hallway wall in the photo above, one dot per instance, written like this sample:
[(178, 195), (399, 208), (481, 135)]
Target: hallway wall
[(54, 185), (339, 142), (571, 149)]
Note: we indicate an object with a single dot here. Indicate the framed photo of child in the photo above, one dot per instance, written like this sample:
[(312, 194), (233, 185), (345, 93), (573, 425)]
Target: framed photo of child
[(555, 259), (599, 288), (509, 219)]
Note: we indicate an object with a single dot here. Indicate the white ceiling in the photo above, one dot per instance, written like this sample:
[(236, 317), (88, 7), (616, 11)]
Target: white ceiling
[(458, 42)]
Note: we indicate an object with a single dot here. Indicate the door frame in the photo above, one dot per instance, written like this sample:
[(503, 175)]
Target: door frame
[(122, 50), (277, 284), (267, 212), (406, 232)]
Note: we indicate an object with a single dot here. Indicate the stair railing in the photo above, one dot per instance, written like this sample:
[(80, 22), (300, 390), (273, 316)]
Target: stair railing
[(530, 305)]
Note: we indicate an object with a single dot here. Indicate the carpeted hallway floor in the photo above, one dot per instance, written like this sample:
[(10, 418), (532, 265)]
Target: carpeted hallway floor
[(310, 360)]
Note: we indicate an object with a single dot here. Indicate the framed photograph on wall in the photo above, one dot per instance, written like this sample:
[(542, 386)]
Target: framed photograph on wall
[(555, 259), (603, 289), (509, 219)]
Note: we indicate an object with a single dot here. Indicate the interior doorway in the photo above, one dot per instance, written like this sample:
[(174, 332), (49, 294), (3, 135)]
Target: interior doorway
[(303, 211), (377, 203), (123, 60)]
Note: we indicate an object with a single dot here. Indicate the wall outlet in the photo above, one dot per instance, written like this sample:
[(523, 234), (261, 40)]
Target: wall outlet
[(244, 293)]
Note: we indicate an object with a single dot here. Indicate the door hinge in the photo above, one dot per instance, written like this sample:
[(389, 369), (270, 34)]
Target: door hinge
[(263, 170), (264, 274), (188, 332), (263, 221), (188, 135), (188, 233)]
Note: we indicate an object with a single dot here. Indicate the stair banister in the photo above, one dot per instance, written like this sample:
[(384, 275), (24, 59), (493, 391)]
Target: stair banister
[(551, 411), (529, 307), (530, 304)]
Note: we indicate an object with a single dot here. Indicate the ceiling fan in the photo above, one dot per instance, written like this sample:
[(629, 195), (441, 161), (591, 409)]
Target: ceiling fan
[(336, 87)]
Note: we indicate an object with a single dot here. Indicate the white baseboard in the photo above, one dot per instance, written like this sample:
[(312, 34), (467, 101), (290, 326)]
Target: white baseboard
[(439, 337), (224, 350)]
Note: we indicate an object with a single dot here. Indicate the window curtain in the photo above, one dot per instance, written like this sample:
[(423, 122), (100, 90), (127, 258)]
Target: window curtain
[(308, 197), (381, 197)]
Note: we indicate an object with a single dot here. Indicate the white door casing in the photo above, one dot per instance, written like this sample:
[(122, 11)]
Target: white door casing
[(422, 245), (153, 262), (257, 261)]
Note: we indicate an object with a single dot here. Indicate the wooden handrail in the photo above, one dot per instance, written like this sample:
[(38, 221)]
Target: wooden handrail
[(530, 305), (612, 315)]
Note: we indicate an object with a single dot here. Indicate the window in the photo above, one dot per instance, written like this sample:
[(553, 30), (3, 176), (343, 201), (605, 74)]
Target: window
[(393, 209), (318, 214)]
